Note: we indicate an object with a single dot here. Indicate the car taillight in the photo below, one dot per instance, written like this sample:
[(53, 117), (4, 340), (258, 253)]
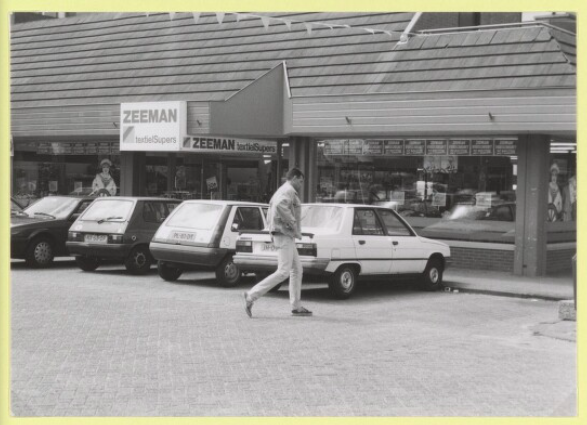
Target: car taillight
[(308, 249), (114, 238), (244, 246), (75, 237)]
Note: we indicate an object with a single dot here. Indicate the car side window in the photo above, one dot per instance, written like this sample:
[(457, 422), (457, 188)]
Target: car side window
[(249, 218), (154, 211), (366, 222), (393, 224)]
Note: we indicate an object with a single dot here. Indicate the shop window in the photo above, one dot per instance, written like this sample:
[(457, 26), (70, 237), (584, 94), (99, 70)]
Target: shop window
[(424, 188), (64, 168)]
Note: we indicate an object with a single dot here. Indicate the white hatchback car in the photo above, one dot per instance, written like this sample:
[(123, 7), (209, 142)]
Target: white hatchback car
[(343, 242), (201, 235)]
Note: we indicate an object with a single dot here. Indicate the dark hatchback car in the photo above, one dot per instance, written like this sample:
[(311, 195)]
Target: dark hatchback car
[(118, 228), (39, 232)]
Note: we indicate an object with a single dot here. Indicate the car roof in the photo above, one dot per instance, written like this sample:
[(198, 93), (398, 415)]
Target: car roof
[(333, 204), (138, 198), (224, 202)]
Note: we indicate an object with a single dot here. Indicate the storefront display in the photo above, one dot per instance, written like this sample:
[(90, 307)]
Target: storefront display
[(418, 177), (65, 168)]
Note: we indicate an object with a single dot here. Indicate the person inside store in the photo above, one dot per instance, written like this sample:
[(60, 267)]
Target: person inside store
[(103, 184), (284, 223)]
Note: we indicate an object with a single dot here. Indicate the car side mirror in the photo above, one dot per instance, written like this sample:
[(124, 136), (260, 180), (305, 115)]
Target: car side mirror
[(234, 227)]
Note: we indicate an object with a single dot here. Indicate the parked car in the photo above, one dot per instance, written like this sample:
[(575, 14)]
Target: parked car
[(344, 242), (39, 233), (202, 234), (118, 228)]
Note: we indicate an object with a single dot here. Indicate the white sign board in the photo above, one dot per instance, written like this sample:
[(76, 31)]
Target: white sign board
[(223, 144), (152, 126)]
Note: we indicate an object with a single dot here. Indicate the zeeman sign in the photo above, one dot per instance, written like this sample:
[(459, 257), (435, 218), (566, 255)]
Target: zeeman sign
[(162, 126), (152, 126)]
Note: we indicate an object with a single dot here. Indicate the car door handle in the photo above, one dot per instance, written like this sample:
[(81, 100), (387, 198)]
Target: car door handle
[(361, 242), (395, 242)]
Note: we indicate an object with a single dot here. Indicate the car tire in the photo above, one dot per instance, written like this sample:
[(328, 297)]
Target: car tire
[(40, 252), (139, 260), (228, 273), (343, 282), (432, 277), (167, 272), (87, 264)]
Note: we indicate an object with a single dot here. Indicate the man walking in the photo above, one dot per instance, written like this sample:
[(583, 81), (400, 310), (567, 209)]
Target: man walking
[(283, 220)]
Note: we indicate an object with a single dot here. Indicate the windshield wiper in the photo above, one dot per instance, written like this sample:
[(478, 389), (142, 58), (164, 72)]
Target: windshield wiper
[(45, 214), (102, 220)]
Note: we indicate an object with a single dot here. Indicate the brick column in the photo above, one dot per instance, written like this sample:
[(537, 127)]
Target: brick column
[(532, 202)]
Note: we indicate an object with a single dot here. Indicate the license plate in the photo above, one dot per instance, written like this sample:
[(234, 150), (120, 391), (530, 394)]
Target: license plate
[(183, 236), (96, 238), (268, 247)]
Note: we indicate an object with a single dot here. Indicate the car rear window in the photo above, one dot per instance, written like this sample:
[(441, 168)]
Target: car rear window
[(195, 216), (110, 209), (325, 217)]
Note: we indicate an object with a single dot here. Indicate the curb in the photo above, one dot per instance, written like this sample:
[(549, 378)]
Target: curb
[(505, 294)]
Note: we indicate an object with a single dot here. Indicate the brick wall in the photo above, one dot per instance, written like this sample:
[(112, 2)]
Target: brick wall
[(499, 260), (559, 260), (482, 259)]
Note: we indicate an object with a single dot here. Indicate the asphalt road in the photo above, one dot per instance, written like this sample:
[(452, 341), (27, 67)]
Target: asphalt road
[(110, 344)]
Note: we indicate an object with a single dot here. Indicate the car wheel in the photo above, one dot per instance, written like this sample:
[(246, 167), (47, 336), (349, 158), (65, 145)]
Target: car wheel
[(40, 252), (228, 273), (344, 281), (87, 264), (139, 260), (167, 272), (432, 277)]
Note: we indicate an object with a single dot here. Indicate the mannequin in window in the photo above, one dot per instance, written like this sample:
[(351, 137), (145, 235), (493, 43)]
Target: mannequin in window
[(555, 196), (103, 184)]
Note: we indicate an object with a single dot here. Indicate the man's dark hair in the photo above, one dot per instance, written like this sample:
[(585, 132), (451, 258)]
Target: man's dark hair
[(294, 172)]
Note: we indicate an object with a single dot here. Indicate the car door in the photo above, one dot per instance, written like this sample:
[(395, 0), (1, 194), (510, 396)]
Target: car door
[(407, 250), (372, 245)]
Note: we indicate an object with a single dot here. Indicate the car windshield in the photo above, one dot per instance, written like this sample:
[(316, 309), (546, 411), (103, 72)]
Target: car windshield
[(108, 210), (199, 216), (324, 217), (54, 207)]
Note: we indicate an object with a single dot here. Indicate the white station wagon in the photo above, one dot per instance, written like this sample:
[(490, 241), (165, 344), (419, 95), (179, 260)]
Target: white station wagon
[(342, 242)]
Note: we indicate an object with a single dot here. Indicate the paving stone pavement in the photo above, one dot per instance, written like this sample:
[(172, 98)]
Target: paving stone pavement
[(111, 344)]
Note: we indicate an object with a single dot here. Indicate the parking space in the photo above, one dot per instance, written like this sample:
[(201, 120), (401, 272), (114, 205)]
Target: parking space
[(111, 344)]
